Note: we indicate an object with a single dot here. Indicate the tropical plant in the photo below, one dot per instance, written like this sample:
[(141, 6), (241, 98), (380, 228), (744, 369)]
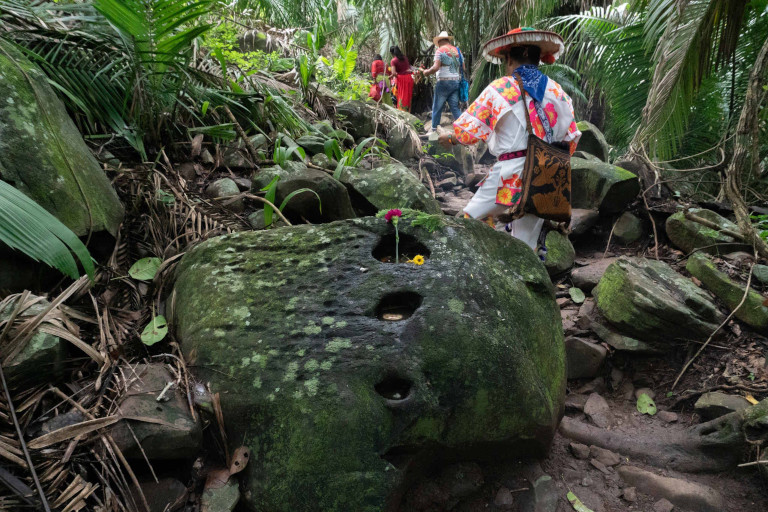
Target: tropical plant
[(353, 157), (27, 227)]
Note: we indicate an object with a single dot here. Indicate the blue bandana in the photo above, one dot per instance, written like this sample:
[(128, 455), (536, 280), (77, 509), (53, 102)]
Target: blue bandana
[(534, 81)]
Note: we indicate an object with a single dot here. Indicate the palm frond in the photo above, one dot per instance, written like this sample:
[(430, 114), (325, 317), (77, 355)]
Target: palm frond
[(27, 227)]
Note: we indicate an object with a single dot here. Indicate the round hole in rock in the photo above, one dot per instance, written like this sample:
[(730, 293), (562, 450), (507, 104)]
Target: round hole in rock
[(408, 248), (397, 306), (394, 388)]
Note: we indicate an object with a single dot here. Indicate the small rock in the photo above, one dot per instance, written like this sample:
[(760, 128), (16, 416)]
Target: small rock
[(598, 410), (72, 417), (504, 499), (542, 496), (575, 402), (244, 184), (606, 457), (461, 480), (629, 494), (175, 434), (628, 229), (715, 404), (560, 253), (256, 220), (588, 277), (583, 358), (586, 481), (645, 391), (616, 377), (663, 506), (472, 180), (580, 451), (760, 273), (667, 416), (627, 390), (596, 385), (187, 170), (223, 499), (599, 466), (447, 184), (582, 220), (224, 188)]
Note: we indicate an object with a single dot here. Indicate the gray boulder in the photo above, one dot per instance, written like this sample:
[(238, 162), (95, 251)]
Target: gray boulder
[(313, 144), (582, 221), (688, 235), (601, 186), (226, 188), (647, 299), (592, 141), (390, 186), (588, 276), (334, 201), (339, 370), (715, 404), (43, 154), (457, 158), (583, 358)]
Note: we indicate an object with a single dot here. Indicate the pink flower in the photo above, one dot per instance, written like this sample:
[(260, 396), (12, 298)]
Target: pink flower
[(393, 213)]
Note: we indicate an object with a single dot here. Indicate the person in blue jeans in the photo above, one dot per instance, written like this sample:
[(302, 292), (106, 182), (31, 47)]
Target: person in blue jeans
[(447, 68)]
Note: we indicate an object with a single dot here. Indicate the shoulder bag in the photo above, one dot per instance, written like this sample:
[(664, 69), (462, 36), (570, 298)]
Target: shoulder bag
[(546, 176)]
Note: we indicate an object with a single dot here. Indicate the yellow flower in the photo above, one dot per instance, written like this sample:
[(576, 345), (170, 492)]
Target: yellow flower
[(418, 259)]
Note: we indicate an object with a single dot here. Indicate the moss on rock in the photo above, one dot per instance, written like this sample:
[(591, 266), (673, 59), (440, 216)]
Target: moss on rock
[(560, 253), (689, 235), (752, 312), (601, 186), (390, 186), (43, 154), (286, 325), (648, 300)]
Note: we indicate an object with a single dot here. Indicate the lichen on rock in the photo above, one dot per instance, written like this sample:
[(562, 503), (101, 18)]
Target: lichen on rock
[(329, 396)]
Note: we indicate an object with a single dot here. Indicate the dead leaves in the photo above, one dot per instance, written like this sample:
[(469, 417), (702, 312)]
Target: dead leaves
[(219, 477)]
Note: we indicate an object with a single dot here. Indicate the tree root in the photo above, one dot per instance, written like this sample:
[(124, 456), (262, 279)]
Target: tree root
[(713, 446)]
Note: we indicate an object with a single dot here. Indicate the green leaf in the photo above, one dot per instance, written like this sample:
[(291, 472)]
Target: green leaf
[(155, 331), (577, 295), (271, 192), (576, 503), (28, 227), (205, 106), (646, 405), (145, 269), (296, 192)]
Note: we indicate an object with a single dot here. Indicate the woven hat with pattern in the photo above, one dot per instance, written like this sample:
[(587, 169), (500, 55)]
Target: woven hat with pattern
[(551, 44)]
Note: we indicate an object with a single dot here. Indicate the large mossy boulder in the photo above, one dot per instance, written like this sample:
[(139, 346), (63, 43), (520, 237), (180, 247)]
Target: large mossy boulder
[(752, 312), (333, 204), (592, 141), (357, 117), (363, 120), (390, 186), (689, 235), (601, 186), (43, 154), (648, 300), (338, 369)]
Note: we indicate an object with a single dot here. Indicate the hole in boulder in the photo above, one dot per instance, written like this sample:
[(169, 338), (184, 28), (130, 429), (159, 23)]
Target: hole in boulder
[(394, 388), (409, 248), (398, 306)]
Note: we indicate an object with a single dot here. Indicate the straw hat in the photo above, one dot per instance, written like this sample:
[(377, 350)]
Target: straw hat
[(442, 35), (551, 44)]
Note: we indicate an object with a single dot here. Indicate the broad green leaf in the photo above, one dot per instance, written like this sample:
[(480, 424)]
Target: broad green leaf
[(646, 405), (576, 503), (577, 295), (29, 228), (155, 331), (205, 106), (145, 269)]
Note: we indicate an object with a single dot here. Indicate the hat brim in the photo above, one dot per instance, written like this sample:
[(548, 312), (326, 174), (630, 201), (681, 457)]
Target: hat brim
[(437, 39), (549, 42)]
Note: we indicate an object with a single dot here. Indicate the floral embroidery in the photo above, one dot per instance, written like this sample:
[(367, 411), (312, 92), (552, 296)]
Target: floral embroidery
[(510, 191), (538, 127), (549, 110)]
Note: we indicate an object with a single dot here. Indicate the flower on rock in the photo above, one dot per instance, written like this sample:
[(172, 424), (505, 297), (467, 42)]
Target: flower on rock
[(393, 213), (418, 259)]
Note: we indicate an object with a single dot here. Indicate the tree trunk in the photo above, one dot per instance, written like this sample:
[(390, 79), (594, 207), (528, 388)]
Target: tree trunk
[(745, 150)]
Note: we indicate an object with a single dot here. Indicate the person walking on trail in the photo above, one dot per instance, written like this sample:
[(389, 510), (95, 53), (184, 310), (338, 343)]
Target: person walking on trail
[(503, 115), (448, 65), (403, 78), (380, 81)]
